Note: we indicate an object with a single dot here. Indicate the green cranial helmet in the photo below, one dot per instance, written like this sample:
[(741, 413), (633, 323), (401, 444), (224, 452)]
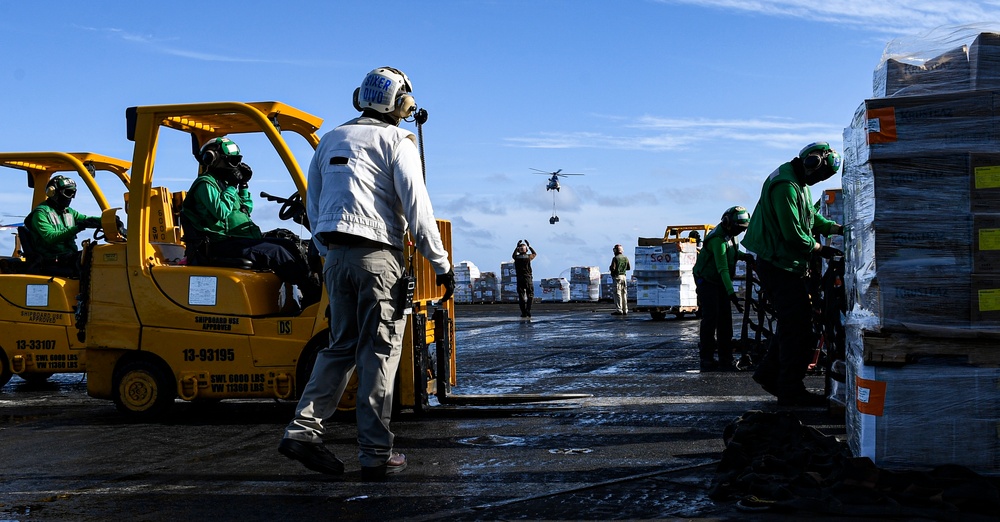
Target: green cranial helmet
[(736, 219)]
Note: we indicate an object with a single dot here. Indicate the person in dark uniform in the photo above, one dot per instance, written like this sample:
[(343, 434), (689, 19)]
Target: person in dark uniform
[(523, 254)]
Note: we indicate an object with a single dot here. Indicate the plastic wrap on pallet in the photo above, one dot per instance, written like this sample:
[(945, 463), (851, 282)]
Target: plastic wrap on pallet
[(466, 272), (485, 289), (921, 187), (947, 60), (921, 415), (555, 289)]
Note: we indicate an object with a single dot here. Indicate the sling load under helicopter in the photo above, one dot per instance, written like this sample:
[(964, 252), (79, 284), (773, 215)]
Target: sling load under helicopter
[(553, 184)]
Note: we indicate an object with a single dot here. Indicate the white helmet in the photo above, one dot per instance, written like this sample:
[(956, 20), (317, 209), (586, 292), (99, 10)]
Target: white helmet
[(386, 90)]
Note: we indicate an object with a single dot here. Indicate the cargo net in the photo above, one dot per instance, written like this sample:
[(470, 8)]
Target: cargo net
[(772, 462), (829, 304)]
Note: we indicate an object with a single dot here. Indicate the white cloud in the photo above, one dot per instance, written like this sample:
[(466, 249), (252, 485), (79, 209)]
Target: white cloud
[(893, 16)]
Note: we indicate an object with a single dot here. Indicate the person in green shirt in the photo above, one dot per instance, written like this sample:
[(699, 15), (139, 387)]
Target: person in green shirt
[(619, 266), (217, 224), (713, 274), (53, 226), (781, 235)]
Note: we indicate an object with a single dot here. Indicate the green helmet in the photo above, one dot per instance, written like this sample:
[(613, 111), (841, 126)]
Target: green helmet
[(819, 153), (736, 219)]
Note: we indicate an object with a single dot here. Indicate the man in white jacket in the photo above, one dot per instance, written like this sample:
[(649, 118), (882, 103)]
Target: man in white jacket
[(365, 190)]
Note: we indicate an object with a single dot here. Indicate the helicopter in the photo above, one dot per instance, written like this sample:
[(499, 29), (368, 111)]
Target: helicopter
[(553, 183)]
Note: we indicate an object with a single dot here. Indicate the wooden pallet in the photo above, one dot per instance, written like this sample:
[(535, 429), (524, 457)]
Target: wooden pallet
[(895, 349)]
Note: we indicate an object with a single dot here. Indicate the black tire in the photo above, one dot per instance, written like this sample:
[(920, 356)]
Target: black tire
[(657, 316), (143, 390), (36, 379), (5, 372)]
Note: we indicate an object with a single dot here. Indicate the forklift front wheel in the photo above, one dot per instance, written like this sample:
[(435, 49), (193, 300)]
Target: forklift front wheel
[(657, 315), (5, 372), (143, 391)]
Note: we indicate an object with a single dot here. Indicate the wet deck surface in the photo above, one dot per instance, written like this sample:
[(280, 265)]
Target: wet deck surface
[(644, 446)]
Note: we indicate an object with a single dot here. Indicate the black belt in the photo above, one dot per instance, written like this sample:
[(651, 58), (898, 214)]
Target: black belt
[(335, 239)]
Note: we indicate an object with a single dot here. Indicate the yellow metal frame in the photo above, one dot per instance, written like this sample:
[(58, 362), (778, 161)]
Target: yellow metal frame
[(673, 233), (235, 345), (40, 339)]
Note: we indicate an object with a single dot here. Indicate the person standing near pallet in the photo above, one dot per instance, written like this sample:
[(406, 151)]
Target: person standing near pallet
[(713, 274), (366, 190), (619, 266), (522, 256), (781, 234)]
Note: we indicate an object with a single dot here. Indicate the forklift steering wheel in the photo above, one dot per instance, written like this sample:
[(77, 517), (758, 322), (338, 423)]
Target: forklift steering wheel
[(292, 208)]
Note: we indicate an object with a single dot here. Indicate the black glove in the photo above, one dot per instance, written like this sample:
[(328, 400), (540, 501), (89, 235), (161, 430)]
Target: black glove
[(526, 243), (245, 174), (733, 298), (828, 252), (448, 280), (90, 222)]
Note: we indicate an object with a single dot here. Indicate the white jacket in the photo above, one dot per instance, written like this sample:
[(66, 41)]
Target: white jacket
[(365, 180)]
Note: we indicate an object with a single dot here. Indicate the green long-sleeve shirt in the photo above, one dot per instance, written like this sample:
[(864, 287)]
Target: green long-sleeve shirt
[(784, 221), (220, 211), (53, 233), (717, 259)]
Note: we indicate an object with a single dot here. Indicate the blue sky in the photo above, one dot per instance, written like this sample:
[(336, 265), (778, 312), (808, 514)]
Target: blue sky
[(673, 109)]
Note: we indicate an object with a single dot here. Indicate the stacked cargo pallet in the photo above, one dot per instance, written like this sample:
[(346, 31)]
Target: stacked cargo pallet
[(555, 290), (607, 287), (508, 283), (466, 274), (585, 284), (663, 274), (921, 188), (485, 289)]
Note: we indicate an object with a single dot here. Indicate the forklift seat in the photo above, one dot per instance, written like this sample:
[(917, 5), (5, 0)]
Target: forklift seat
[(198, 250)]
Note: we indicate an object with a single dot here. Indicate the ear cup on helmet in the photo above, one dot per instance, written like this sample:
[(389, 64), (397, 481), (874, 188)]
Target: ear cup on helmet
[(357, 102), (208, 157), (405, 105), (56, 184), (812, 161)]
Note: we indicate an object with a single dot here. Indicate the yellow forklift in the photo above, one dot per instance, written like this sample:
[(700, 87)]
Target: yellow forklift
[(39, 313), (158, 329)]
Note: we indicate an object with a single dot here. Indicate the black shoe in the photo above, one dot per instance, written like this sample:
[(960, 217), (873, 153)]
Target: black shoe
[(395, 464), (803, 399), (313, 456), (769, 387), (727, 366), (709, 365)]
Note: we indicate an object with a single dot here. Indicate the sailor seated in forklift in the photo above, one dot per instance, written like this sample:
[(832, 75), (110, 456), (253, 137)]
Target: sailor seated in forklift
[(50, 230), (218, 230)]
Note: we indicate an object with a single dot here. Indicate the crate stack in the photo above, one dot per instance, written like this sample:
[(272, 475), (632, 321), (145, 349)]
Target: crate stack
[(485, 289), (921, 187), (664, 275), (584, 284), (555, 290), (607, 287), (508, 283), (466, 273)]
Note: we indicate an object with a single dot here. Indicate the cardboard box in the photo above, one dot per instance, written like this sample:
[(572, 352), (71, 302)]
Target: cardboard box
[(919, 125), (923, 415), (986, 244), (985, 302), (984, 176), (946, 73), (984, 62)]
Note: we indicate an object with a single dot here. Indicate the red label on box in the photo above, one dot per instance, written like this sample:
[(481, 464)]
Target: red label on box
[(881, 125), (871, 396)]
